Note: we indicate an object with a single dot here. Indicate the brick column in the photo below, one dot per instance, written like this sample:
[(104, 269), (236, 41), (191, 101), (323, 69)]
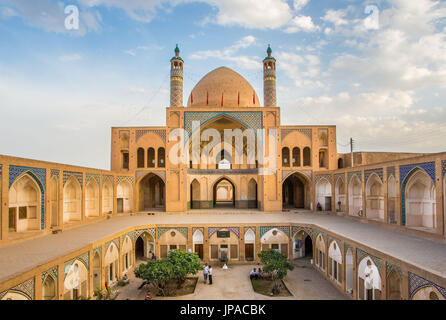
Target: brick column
[(60, 200), (5, 203), (83, 212)]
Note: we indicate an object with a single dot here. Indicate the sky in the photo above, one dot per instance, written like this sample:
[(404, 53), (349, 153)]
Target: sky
[(375, 69)]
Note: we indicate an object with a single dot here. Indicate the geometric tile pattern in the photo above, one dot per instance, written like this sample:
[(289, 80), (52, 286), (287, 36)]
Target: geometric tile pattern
[(98, 250), (443, 167), (390, 267), (151, 231), (429, 167), (26, 288), (308, 231), (253, 229), (346, 247), (182, 230), (340, 176), (55, 173), (50, 272), (197, 228), (252, 120), (130, 180), (234, 230), (78, 175), (357, 173), (106, 178), (265, 229), (307, 132), (93, 176), (159, 132), (84, 258), (368, 173), (361, 254), (320, 177), (405, 173), (391, 171), (416, 282), (39, 175)]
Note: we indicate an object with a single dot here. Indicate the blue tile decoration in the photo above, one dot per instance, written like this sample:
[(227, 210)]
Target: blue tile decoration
[(97, 250), (306, 132), (340, 176), (251, 119), (346, 247), (443, 167), (93, 176), (253, 229), (151, 231), (357, 173), (390, 267), (197, 228), (84, 258), (159, 132), (307, 230), (368, 173), (78, 175), (234, 230), (52, 272), (405, 173), (129, 179), (416, 283), (26, 289), (390, 172), (182, 230), (55, 173), (360, 254), (323, 176), (38, 175), (265, 229)]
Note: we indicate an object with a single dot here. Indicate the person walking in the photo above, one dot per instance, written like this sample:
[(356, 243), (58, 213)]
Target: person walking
[(210, 274), (205, 273)]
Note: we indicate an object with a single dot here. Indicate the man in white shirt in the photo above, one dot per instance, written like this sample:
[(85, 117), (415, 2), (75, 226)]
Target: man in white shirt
[(205, 273), (210, 274)]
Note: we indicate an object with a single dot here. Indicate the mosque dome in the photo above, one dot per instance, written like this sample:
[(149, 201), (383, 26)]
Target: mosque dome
[(223, 87)]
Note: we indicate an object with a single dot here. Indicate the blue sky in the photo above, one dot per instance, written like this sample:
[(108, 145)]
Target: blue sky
[(61, 90)]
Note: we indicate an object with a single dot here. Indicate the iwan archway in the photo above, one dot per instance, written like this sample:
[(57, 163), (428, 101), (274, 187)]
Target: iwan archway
[(224, 193), (295, 192), (151, 190)]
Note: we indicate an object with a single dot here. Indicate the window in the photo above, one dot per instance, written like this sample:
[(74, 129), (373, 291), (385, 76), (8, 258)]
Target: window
[(151, 158), (214, 251), (307, 157), (125, 160), (296, 157), (285, 157), (161, 158), (234, 252), (140, 158), (22, 213)]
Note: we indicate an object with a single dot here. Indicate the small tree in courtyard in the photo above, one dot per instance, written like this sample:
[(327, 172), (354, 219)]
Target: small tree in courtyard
[(176, 267), (276, 265)]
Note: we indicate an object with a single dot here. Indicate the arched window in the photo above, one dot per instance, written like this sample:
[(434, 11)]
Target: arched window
[(140, 158), (307, 157), (340, 163), (323, 158), (296, 157), (161, 158), (285, 157), (151, 158)]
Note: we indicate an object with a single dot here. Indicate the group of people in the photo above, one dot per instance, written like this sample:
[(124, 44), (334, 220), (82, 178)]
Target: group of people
[(207, 273), (256, 274)]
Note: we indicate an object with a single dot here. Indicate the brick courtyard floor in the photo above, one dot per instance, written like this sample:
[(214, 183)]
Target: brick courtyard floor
[(18, 258)]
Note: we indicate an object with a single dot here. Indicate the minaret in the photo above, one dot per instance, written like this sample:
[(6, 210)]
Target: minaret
[(176, 80), (269, 79)]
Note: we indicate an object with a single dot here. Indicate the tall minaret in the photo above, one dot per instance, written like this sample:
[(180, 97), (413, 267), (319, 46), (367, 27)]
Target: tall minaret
[(269, 79), (176, 80)]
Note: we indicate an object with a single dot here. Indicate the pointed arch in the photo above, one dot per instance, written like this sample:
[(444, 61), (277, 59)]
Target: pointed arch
[(124, 197), (335, 261), (349, 274), (320, 252), (369, 280), (49, 288), (25, 206), (323, 194), (92, 199), (231, 193), (54, 200), (340, 195), (107, 197), (252, 194), (391, 199), (72, 197), (296, 191), (195, 194), (355, 196), (375, 198), (97, 270), (394, 291)]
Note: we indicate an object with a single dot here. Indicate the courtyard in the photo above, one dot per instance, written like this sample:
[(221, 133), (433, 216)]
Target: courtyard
[(304, 283)]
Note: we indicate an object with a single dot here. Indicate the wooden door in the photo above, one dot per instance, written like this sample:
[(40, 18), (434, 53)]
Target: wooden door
[(120, 203), (199, 250), (249, 252), (12, 218)]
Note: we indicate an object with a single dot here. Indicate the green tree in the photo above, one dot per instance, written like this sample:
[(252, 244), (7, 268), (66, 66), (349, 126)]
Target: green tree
[(176, 267), (276, 265)]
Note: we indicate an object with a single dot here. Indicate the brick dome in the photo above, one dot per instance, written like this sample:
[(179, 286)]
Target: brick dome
[(223, 84)]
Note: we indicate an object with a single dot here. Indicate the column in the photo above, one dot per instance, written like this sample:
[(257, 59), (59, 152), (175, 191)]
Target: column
[(5, 203)]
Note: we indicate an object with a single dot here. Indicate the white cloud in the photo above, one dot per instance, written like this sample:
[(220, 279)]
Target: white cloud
[(299, 4), (336, 17), (301, 23), (230, 54)]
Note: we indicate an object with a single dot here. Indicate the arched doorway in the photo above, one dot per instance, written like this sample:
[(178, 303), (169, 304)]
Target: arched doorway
[(72, 195), (391, 200), (349, 275), (340, 195), (144, 247), (420, 201), (111, 264), (54, 201), (295, 192), (124, 197), (334, 262), (107, 197), (250, 240), (76, 281), (92, 199), (375, 198), (275, 239), (224, 193), (369, 280), (252, 194), (320, 252), (152, 193), (198, 242), (25, 200), (323, 194), (49, 288), (355, 196), (302, 246), (393, 286), (195, 197), (97, 271)]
